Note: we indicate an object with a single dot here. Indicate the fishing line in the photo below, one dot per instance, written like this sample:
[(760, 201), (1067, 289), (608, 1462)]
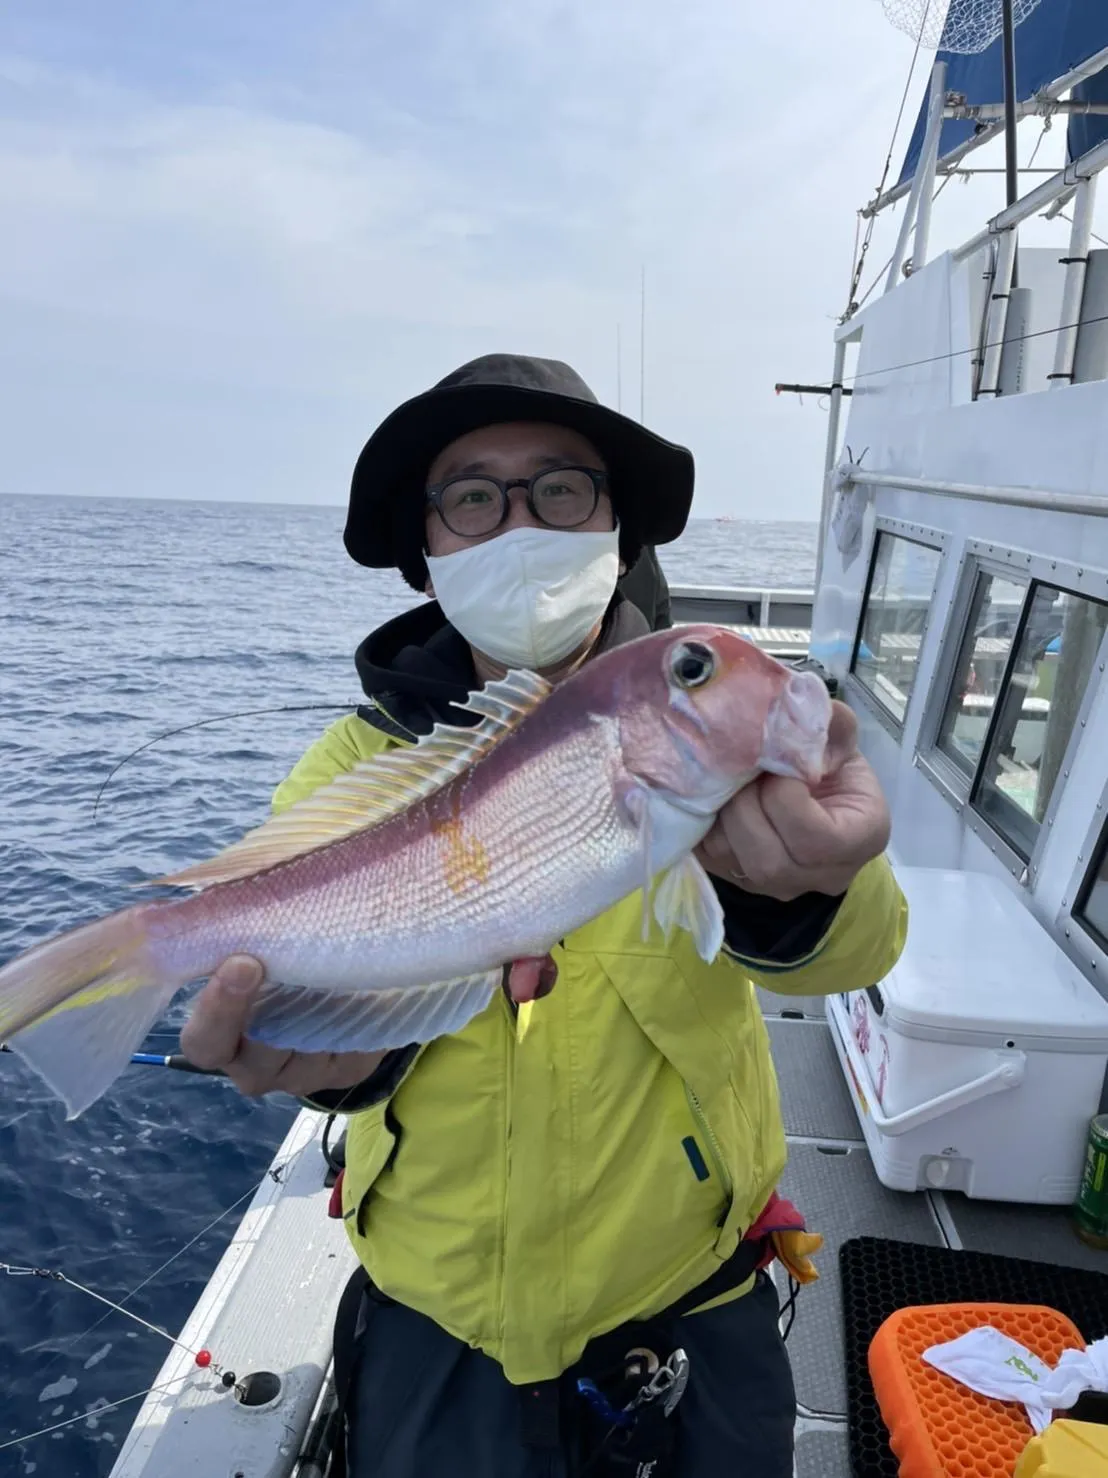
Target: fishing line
[(57, 1276), (70, 1421), (278, 1173), (958, 353), (74, 1340), (219, 718)]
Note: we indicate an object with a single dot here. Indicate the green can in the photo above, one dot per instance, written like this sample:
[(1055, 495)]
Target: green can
[(1090, 1212)]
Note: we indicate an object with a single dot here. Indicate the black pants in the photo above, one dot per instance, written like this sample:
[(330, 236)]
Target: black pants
[(422, 1403)]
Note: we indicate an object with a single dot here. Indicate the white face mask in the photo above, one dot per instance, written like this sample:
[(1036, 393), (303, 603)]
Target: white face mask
[(530, 597)]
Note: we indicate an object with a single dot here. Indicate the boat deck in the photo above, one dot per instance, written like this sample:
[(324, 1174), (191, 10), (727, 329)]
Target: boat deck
[(831, 1180), (287, 1245)]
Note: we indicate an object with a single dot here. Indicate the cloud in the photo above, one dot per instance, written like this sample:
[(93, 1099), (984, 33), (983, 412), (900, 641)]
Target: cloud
[(235, 239)]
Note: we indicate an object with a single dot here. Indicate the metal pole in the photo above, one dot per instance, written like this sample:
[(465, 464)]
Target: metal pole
[(642, 350), (928, 164), (831, 452), (929, 152), (1077, 261), (996, 313), (1038, 199), (1010, 164), (1057, 88), (1091, 503), (619, 367)]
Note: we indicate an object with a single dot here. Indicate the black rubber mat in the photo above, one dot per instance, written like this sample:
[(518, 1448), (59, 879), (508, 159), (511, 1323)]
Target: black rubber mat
[(879, 1277)]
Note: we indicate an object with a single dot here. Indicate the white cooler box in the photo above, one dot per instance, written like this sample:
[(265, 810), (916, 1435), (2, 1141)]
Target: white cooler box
[(977, 1063)]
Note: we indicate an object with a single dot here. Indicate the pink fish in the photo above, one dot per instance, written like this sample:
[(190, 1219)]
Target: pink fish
[(386, 905)]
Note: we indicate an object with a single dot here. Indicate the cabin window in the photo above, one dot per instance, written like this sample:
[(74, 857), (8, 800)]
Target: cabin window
[(901, 588), (995, 611), (1092, 903), (1059, 638), (1020, 679)]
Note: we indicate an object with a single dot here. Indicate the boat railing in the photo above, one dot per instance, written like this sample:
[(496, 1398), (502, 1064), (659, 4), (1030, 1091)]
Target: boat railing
[(743, 605)]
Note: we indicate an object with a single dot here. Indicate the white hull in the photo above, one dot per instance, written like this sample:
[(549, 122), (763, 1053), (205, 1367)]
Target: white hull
[(268, 1309)]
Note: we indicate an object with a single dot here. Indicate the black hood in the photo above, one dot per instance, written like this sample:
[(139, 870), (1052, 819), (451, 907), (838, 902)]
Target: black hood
[(416, 668)]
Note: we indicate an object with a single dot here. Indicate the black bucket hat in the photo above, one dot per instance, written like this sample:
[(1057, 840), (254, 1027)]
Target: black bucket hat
[(651, 479)]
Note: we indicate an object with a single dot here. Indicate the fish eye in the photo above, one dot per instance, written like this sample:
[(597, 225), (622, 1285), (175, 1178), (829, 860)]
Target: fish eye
[(692, 664)]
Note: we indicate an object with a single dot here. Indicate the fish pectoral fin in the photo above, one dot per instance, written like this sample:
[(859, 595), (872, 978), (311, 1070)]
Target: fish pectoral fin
[(633, 796), (686, 899), (300, 1019), (375, 790)]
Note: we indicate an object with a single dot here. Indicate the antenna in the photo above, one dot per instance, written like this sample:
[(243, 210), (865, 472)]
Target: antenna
[(642, 348), (619, 367)]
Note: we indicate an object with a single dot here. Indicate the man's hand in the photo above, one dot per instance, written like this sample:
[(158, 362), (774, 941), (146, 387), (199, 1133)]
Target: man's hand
[(213, 1038), (778, 838)]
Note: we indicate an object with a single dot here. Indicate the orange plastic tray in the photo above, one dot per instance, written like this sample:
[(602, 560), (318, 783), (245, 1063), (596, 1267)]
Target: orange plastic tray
[(937, 1427)]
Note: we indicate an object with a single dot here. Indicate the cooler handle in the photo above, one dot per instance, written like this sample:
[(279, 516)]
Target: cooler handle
[(1007, 1074)]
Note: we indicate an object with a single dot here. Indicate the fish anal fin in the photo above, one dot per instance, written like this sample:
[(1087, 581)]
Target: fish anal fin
[(375, 790), (303, 1020)]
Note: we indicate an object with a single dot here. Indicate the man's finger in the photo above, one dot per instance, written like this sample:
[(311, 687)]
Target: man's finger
[(807, 832), (212, 1036), (755, 845), (842, 739)]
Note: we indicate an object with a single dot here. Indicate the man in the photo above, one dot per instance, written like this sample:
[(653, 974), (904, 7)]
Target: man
[(534, 1206)]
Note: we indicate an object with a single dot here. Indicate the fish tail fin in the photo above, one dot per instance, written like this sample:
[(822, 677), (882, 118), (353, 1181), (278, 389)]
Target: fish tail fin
[(76, 1007)]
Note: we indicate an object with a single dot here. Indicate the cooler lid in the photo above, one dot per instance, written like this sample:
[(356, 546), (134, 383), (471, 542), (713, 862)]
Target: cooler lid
[(978, 960)]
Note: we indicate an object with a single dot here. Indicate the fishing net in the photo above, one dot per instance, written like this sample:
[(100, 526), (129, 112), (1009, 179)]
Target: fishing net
[(956, 25)]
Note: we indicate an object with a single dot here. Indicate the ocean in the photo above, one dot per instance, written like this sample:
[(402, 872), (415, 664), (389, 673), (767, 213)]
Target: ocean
[(121, 620)]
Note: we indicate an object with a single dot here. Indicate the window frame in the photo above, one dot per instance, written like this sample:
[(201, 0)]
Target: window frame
[(1079, 939), (912, 533), (1010, 563)]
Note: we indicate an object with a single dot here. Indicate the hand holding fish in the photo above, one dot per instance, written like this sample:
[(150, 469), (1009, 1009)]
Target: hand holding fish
[(214, 1037), (782, 838)]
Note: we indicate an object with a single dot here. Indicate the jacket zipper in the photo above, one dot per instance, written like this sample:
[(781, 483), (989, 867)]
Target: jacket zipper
[(509, 1083), (397, 729), (711, 1142)]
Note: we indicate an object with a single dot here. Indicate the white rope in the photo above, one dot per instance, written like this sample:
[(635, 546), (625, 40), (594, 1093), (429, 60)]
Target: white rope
[(860, 257), (960, 26)]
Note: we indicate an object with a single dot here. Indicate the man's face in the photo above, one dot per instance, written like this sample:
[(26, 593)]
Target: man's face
[(517, 449)]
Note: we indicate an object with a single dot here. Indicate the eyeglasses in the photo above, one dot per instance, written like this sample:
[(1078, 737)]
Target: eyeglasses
[(558, 497)]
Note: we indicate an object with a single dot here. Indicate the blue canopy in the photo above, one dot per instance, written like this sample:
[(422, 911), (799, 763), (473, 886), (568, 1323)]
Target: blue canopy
[(1056, 37)]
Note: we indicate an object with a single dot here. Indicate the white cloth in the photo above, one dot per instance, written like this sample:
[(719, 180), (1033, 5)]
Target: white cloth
[(993, 1364), (849, 512)]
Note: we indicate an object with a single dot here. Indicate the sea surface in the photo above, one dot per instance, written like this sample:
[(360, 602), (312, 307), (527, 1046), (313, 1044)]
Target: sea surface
[(122, 621)]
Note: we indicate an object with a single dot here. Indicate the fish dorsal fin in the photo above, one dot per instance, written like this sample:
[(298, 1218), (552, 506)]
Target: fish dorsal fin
[(375, 789)]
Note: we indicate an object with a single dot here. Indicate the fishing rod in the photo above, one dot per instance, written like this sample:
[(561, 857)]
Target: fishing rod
[(174, 1060)]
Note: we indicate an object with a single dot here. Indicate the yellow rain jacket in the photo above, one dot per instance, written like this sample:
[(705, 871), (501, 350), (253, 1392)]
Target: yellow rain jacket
[(543, 1176)]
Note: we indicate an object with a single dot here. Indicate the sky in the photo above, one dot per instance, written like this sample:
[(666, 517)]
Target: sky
[(236, 233)]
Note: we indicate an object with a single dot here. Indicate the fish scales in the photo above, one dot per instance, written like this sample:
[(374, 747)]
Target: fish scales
[(404, 913), (384, 907)]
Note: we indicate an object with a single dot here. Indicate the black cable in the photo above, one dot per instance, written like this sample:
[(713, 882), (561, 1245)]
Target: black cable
[(788, 1308), (1040, 333)]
